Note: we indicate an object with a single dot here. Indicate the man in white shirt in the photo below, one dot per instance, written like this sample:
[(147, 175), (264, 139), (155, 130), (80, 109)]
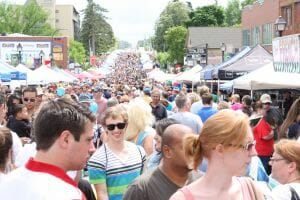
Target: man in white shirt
[(61, 128)]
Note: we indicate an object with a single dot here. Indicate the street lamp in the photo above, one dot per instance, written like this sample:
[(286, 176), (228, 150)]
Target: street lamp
[(280, 24), (19, 49), (50, 57), (41, 54), (223, 49)]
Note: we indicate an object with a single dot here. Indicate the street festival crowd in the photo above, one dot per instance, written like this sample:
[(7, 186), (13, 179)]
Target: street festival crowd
[(127, 137)]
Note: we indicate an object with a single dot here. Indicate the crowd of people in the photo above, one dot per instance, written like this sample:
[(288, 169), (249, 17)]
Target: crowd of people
[(127, 137)]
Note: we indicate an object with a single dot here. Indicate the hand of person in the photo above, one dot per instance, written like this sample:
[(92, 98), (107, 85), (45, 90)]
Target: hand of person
[(25, 140)]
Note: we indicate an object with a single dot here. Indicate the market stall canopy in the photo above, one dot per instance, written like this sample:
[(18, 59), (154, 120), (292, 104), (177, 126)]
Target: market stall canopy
[(266, 78), (5, 76), (15, 74), (65, 73), (213, 73), (45, 75), (191, 75), (252, 60)]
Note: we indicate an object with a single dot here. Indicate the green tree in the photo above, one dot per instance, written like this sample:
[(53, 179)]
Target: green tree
[(175, 14), (163, 59), (96, 34), (29, 19), (175, 39), (77, 52), (247, 2), (233, 13), (212, 15)]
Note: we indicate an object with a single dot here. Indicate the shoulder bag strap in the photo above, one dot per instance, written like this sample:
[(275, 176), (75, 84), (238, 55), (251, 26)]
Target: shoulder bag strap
[(142, 163), (294, 194)]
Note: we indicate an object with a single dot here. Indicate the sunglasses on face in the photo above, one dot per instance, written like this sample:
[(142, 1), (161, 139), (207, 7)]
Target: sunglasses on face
[(29, 99), (112, 127), (249, 145)]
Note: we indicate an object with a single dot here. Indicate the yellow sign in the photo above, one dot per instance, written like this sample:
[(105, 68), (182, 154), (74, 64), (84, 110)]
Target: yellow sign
[(57, 56), (57, 49)]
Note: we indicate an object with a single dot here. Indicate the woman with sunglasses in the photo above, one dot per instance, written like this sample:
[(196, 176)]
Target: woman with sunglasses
[(285, 164), (117, 162), (226, 141)]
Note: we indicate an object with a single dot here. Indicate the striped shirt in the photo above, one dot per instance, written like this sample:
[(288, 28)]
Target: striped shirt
[(105, 167)]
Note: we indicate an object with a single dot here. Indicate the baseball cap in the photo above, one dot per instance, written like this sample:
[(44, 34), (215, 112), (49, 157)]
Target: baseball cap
[(84, 98), (97, 89), (265, 98), (147, 90)]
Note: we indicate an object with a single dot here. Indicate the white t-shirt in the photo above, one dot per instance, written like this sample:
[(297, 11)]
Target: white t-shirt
[(26, 184), (282, 192)]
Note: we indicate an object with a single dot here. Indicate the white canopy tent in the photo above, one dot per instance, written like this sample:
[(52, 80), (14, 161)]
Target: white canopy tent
[(266, 78), (44, 75), (192, 75)]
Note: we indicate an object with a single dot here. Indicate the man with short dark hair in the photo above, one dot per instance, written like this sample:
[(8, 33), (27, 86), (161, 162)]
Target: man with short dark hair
[(61, 128), (207, 109), (172, 173), (158, 110)]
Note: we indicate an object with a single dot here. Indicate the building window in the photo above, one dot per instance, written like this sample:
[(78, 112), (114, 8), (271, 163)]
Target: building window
[(56, 11), (246, 38), (267, 33), (57, 20), (287, 14), (255, 36)]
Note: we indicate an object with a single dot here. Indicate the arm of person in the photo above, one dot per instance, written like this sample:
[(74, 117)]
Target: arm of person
[(134, 192), (269, 136), (101, 191), (148, 145)]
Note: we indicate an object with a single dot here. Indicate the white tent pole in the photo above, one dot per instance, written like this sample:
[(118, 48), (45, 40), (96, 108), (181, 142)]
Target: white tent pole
[(218, 85)]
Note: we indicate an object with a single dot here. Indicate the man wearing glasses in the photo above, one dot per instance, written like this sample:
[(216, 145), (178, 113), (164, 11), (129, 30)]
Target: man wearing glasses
[(29, 95)]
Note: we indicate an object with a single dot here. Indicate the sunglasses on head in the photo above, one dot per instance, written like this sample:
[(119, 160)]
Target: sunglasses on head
[(112, 127), (29, 99)]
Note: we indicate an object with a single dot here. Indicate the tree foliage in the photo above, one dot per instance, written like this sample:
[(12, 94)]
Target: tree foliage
[(175, 39), (247, 2), (29, 19), (77, 52), (212, 15), (96, 33), (176, 13), (163, 59), (233, 13)]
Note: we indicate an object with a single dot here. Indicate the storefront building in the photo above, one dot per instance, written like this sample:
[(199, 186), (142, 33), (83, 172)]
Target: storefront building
[(34, 51)]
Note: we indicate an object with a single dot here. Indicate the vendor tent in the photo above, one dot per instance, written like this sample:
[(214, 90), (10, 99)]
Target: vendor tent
[(44, 75), (252, 60), (73, 78), (189, 75), (266, 78), (15, 74), (212, 73)]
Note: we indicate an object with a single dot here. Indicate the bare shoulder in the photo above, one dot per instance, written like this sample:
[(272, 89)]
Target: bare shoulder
[(177, 196)]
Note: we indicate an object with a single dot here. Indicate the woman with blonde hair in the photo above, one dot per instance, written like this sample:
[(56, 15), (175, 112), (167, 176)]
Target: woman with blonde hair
[(226, 141), (139, 129), (285, 164)]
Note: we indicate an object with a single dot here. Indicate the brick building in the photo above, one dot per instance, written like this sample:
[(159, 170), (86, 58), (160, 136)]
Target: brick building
[(290, 11), (258, 23), (36, 50)]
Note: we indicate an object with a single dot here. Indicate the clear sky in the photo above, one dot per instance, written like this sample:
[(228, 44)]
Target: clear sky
[(131, 20)]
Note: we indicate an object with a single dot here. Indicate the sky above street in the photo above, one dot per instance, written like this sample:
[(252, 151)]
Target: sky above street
[(131, 20)]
